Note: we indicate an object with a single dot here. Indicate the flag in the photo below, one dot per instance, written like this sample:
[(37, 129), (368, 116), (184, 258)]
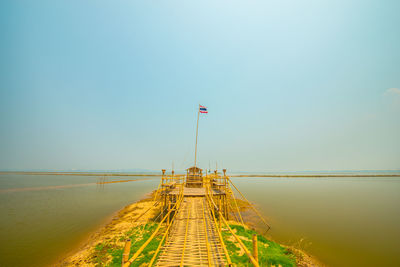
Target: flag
[(203, 109)]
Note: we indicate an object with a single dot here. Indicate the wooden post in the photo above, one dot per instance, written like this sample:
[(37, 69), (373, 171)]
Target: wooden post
[(224, 179), (255, 247), (168, 210), (163, 177), (220, 213), (226, 207), (220, 223), (127, 250)]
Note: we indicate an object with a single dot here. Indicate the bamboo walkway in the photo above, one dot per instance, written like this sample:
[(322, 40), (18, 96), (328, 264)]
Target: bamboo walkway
[(193, 217), (193, 240)]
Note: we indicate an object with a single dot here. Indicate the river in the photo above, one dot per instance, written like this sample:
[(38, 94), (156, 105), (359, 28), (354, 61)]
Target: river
[(341, 221), (54, 213)]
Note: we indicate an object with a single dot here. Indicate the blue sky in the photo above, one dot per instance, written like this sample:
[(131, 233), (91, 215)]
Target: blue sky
[(290, 85)]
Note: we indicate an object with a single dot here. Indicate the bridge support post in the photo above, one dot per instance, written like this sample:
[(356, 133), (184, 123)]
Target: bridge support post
[(127, 249), (168, 217), (220, 212), (163, 192), (255, 248), (225, 201)]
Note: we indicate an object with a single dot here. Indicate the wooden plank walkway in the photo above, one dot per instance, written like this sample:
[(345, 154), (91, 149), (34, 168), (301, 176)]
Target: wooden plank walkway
[(193, 239), (194, 192)]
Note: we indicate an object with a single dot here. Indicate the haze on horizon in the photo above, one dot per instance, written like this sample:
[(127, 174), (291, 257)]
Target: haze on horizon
[(290, 85)]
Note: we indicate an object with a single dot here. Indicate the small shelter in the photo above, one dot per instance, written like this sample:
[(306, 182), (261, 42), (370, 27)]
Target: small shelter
[(194, 177)]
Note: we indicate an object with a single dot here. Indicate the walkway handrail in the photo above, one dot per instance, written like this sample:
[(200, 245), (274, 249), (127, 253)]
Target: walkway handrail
[(158, 189), (219, 232), (251, 205), (143, 213), (136, 255), (237, 207), (246, 250), (164, 236), (178, 178)]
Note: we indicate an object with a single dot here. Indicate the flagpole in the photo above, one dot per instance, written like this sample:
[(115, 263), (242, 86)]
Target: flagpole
[(197, 130)]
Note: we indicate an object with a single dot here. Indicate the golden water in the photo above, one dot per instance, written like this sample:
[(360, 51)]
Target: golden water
[(341, 221), (55, 212)]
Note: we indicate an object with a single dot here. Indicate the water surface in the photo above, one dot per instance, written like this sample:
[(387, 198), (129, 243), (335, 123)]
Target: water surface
[(342, 221), (44, 221)]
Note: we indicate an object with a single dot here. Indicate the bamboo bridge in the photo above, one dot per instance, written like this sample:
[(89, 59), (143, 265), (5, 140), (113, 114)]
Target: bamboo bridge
[(194, 211)]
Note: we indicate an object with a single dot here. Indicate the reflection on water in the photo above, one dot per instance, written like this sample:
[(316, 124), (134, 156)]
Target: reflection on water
[(342, 221), (37, 226)]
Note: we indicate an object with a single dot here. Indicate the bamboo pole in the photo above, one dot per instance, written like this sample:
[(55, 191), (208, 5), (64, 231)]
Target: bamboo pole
[(134, 257), (205, 231), (226, 207), (246, 250), (197, 131), (220, 214), (251, 205), (237, 207), (184, 242), (168, 210), (165, 236), (219, 231), (255, 247), (127, 250)]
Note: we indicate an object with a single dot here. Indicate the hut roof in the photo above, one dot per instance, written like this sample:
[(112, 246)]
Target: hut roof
[(193, 168)]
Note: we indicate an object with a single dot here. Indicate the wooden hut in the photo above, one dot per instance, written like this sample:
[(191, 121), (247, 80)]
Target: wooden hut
[(194, 177)]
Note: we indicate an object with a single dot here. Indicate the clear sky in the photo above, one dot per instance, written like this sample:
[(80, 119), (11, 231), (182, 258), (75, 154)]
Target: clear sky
[(290, 85)]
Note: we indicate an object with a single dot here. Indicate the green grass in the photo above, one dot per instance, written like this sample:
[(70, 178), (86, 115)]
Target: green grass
[(270, 253), (273, 254), (138, 237)]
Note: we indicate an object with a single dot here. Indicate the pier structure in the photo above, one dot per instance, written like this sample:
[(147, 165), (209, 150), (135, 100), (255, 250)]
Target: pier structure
[(195, 209)]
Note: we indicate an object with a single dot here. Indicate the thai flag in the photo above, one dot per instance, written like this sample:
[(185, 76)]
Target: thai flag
[(203, 109)]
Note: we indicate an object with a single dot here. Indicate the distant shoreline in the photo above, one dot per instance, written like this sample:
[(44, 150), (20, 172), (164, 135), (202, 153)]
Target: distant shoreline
[(316, 175), (233, 175), (79, 173)]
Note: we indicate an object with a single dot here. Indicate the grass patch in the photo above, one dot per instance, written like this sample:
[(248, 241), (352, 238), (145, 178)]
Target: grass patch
[(110, 253), (269, 252)]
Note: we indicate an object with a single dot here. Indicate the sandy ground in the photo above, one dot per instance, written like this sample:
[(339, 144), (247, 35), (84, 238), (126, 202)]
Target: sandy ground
[(132, 216), (128, 217)]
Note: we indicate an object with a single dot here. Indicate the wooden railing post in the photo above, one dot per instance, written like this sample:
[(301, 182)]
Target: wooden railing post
[(255, 248), (220, 213), (168, 211), (127, 250)]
